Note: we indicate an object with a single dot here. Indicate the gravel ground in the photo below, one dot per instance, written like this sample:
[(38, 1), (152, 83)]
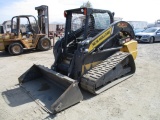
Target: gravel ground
[(134, 99)]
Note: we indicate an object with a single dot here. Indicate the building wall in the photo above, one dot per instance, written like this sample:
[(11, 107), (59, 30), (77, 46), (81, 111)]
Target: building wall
[(157, 23), (117, 18), (52, 27), (56, 27), (7, 26)]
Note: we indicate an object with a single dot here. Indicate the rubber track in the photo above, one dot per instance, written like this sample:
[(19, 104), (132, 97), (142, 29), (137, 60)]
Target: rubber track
[(88, 81)]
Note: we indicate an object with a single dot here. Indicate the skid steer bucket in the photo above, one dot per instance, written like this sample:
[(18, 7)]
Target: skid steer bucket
[(51, 90)]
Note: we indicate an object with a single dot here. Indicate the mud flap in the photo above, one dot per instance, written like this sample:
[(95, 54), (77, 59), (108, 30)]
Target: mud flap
[(53, 91)]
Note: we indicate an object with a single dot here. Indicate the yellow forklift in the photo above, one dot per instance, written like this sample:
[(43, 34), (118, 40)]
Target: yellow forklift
[(27, 33)]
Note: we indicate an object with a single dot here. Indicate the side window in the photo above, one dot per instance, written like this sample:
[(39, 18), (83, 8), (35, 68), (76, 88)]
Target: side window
[(77, 21), (102, 20), (8, 26), (158, 31)]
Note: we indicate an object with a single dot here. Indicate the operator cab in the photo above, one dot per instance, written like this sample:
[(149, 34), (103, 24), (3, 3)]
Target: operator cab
[(26, 25), (83, 23)]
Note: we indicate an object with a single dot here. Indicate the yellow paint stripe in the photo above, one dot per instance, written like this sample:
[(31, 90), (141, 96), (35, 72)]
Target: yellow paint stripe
[(100, 39)]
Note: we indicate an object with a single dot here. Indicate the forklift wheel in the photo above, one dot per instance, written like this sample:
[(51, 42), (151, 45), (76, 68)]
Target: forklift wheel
[(44, 44), (15, 49)]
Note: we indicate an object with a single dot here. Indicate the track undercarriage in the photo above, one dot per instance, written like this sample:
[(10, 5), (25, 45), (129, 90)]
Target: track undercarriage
[(118, 65)]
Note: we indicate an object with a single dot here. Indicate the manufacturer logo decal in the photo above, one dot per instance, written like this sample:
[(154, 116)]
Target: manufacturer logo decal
[(122, 24), (100, 39)]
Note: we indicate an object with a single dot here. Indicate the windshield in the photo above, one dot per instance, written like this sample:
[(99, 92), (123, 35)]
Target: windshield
[(150, 30), (102, 20), (23, 24)]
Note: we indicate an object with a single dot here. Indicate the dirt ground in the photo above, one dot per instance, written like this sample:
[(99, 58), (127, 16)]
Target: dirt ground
[(137, 98)]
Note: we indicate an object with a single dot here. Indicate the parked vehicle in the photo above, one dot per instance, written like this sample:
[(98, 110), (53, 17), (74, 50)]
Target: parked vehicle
[(36, 36), (149, 35)]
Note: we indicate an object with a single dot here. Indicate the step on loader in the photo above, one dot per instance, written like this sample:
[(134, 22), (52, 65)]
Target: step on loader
[(95, 54)]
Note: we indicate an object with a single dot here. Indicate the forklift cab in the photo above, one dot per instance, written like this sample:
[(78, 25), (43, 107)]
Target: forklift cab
[(28, 33), (24, 25)]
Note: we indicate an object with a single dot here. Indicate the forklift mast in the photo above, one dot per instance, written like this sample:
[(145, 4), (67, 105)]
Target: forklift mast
[(43, 20)]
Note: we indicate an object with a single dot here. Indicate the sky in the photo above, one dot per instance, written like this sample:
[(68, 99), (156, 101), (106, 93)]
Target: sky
[(129, 10)]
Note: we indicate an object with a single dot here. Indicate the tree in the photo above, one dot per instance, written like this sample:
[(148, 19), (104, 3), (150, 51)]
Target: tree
[(87, 4)]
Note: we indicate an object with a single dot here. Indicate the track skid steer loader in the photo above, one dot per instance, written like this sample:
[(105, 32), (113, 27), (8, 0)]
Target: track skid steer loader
[(95, 54)]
